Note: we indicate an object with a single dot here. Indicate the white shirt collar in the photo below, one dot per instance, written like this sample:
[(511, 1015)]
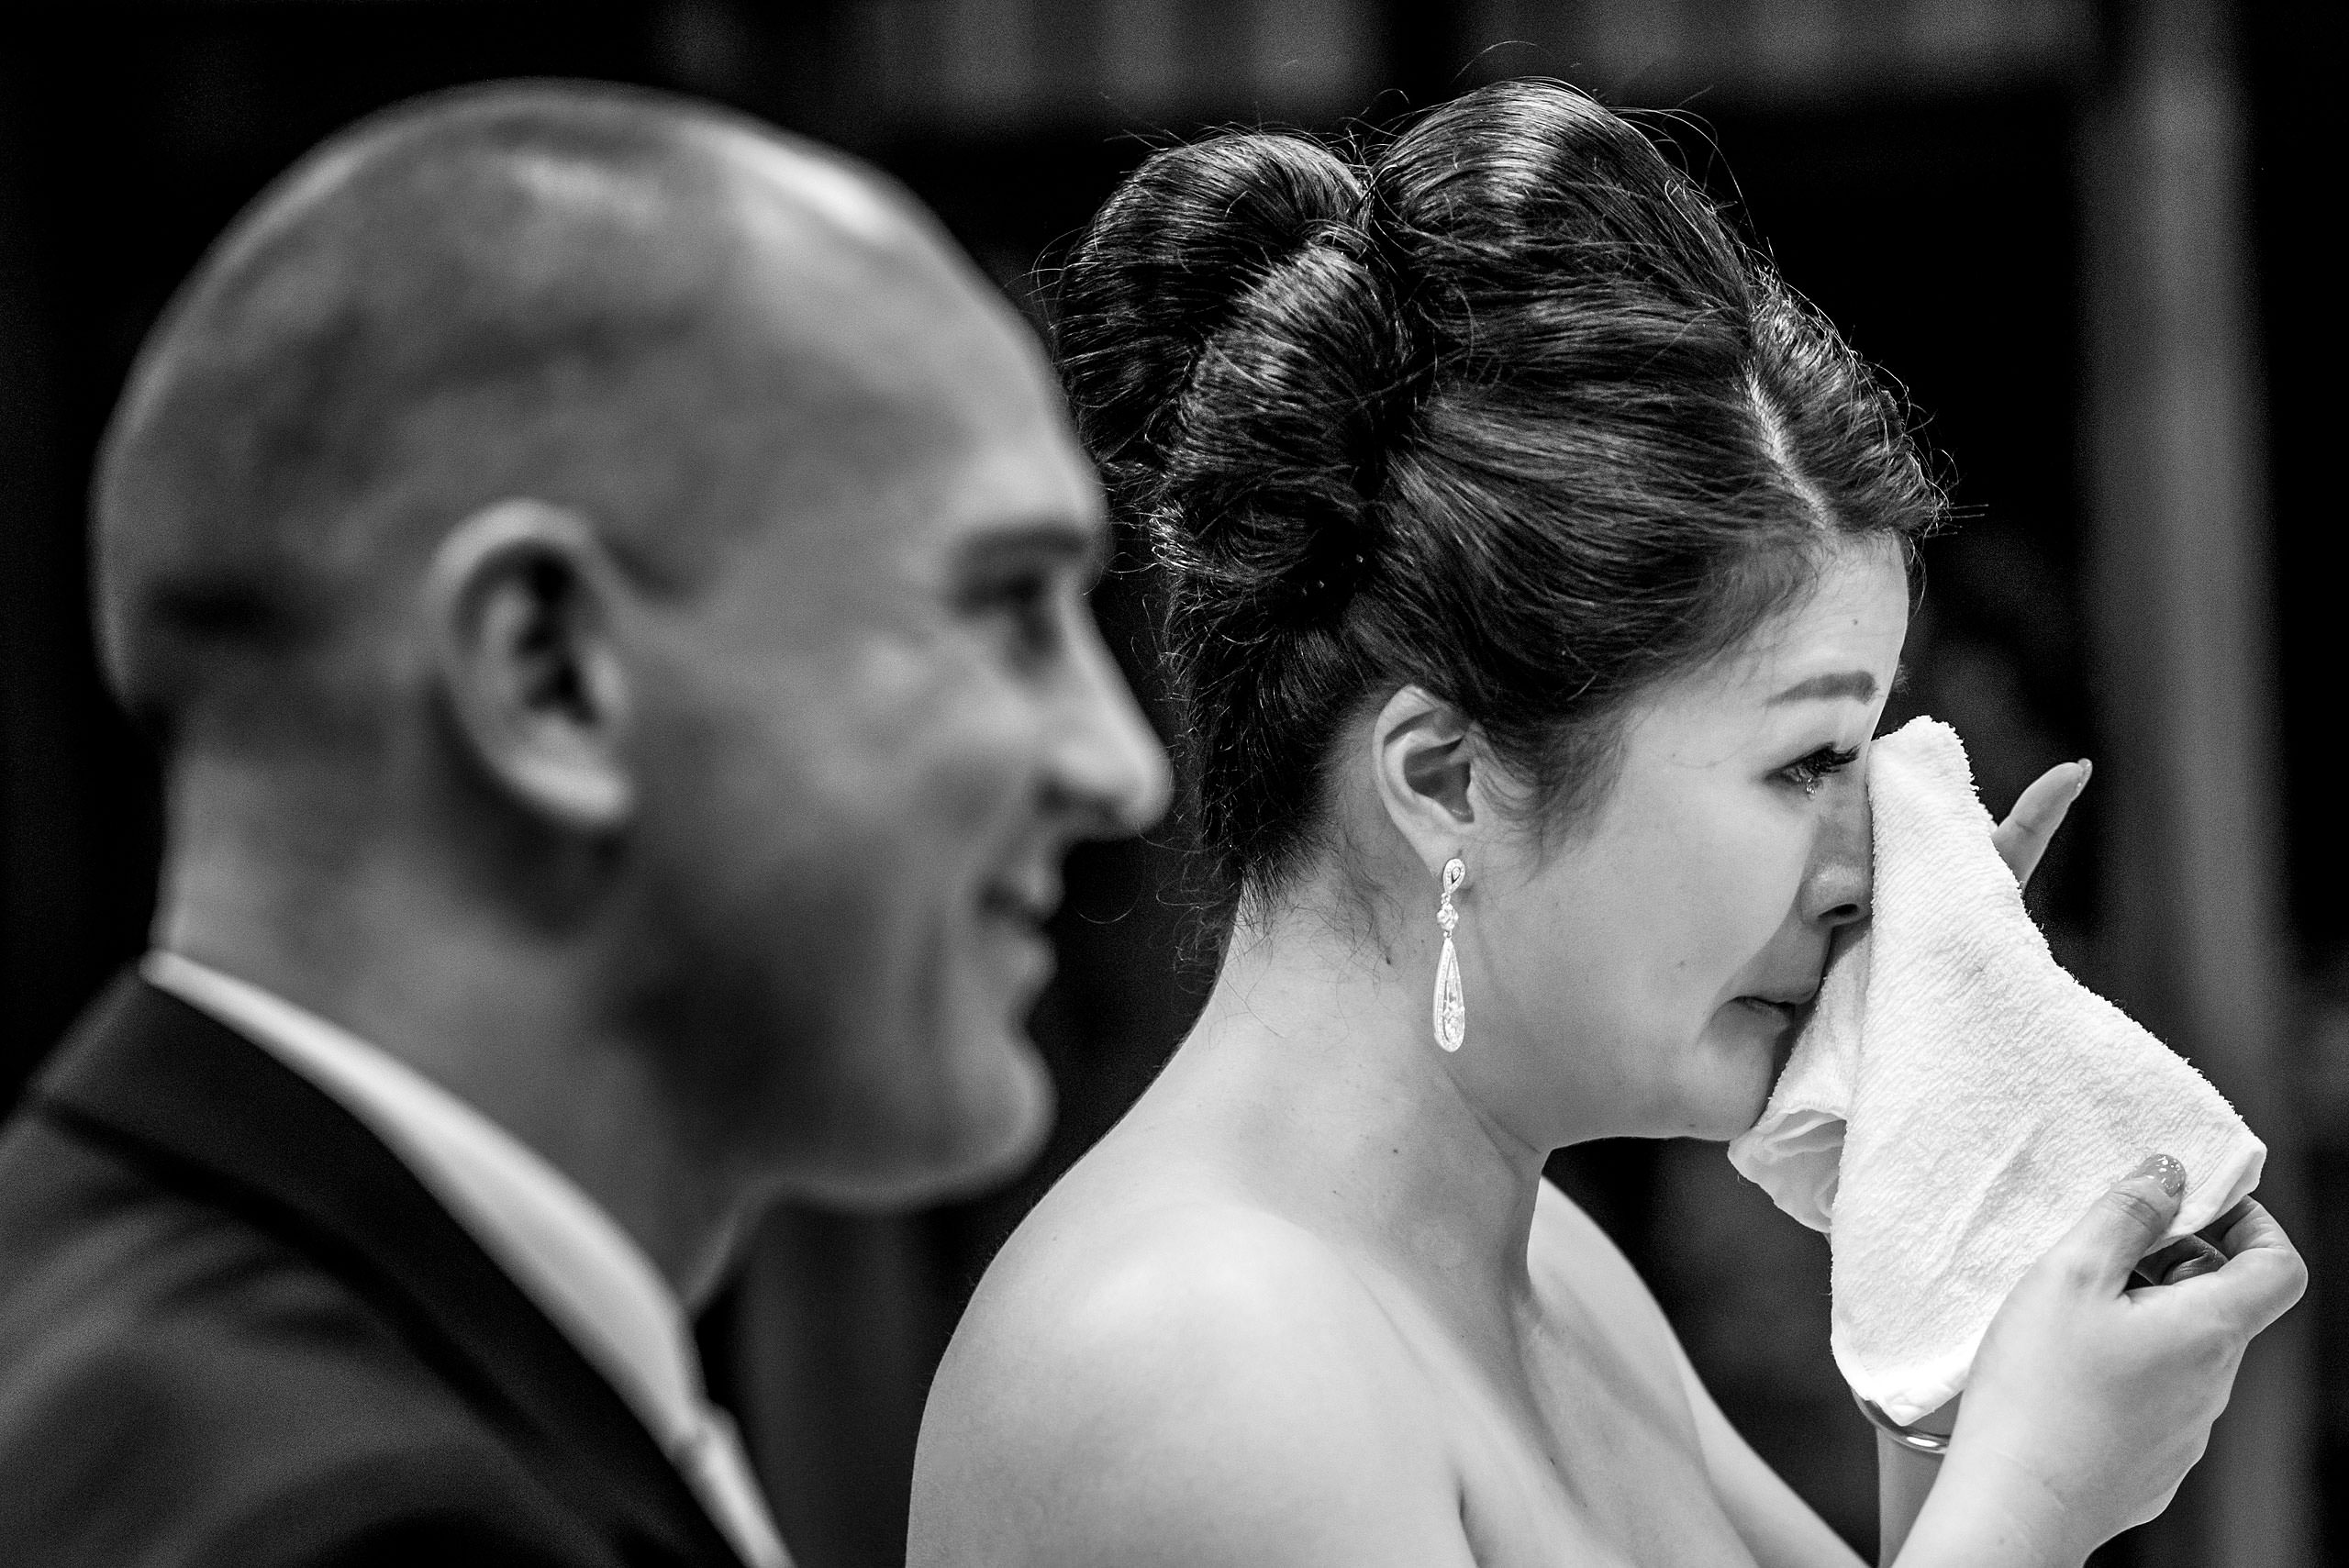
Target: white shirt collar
[(557, 1243)]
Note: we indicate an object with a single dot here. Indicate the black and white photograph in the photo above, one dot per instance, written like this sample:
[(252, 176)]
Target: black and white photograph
[(1172, 783)]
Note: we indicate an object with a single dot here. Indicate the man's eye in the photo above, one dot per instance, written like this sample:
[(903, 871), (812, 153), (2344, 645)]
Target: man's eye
[(1027, 603), (1808, 773)]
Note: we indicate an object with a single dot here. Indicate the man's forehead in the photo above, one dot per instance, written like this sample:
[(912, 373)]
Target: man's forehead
[(1019, 487), (932, 543), (936, 459), (912, 379)]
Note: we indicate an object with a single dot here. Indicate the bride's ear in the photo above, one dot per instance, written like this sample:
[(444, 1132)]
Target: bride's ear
[(1424, 757)]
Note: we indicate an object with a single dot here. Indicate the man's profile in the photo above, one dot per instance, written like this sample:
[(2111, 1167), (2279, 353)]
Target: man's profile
[(608, 585)]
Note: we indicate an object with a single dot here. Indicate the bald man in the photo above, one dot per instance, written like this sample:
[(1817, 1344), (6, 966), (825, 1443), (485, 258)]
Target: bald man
[(609, 583)]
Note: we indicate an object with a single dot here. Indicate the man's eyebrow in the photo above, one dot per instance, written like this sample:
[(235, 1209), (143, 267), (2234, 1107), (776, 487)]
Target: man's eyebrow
[(1857, 683), (1087, 546)]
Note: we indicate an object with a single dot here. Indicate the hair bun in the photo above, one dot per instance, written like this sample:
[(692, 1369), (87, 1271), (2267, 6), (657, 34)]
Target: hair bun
[(1511, 414), (1165, 266)]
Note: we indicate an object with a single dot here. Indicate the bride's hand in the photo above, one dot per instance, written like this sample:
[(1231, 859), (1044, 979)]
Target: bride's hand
[(2089, 1400), (2038, 811)]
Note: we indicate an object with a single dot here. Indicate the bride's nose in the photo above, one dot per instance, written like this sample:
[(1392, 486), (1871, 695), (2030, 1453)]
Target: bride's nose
[(1836, 883)]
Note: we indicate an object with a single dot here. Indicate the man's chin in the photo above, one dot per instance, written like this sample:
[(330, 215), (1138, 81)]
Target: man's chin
[(1002, 1132), (981, 1138)]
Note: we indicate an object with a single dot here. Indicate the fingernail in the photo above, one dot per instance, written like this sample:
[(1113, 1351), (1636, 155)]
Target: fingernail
[(2085, 767), (2171, 1175), (2204, 1258)]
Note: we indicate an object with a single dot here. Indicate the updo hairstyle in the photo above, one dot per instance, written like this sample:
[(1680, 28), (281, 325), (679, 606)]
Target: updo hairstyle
[(1506, 410)]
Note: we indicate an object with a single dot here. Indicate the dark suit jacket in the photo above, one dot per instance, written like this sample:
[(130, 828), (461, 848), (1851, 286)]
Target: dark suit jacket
[(235, 1330)]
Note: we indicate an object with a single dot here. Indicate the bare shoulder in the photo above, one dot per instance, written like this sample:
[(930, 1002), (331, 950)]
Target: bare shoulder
[(1578, 1267), (1574, 1263), (1158, 1371)]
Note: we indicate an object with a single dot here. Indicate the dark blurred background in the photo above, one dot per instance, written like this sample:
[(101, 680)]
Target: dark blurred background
[(2086, 237)]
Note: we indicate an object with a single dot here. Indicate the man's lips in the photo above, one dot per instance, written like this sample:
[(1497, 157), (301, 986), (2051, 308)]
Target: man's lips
[(1012, 925), (1027, 904)]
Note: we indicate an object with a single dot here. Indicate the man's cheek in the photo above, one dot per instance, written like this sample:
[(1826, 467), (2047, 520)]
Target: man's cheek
[(974, 766)]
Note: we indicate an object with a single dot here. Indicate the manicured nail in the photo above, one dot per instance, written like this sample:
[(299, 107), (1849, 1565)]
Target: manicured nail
[(2171, 1175), (2085, 767)]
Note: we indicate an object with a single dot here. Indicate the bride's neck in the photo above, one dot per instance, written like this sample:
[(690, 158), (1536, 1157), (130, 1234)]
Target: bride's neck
[(1315, 1057)]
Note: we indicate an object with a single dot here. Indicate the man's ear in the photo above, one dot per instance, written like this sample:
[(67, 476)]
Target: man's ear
[(519, 599), (1422, 757)]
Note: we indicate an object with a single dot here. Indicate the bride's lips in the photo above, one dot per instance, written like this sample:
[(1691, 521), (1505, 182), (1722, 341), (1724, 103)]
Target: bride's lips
[(1784, 1016), (1801, 999), (1786, 1009)]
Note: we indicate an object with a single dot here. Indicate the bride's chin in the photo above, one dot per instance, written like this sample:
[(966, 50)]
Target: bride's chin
[(1724, 1114), (1765, 1029), (1750, 1049)]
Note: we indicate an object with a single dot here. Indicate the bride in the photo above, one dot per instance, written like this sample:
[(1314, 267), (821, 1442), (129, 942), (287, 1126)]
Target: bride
[(1540, 568)]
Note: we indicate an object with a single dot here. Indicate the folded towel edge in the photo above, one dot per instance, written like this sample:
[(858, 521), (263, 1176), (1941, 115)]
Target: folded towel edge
[(2238, 1179), (1795, 1154), (1906, 1394)]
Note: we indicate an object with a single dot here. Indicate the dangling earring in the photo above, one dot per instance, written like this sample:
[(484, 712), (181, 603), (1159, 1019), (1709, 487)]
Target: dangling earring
[(1451, 1006)]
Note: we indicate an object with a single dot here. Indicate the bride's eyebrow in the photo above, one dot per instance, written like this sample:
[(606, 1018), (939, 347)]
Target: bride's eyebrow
[(1856, 683)]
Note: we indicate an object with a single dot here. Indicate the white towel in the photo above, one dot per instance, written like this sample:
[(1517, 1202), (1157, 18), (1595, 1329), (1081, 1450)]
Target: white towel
[(1957, 1100)]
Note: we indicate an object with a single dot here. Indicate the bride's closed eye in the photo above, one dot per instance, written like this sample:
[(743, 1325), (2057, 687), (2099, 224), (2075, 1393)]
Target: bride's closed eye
[(1808, 773)]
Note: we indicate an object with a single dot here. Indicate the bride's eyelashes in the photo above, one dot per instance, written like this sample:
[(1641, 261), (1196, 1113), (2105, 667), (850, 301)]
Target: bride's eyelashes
[(1807, 774)]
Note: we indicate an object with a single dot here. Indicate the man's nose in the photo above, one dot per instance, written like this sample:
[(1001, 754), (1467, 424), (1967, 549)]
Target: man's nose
[(1108, 761), (1837, 883)]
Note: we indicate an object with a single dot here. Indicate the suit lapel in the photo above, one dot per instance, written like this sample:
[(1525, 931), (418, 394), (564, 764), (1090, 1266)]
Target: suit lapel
[(212, 1114)]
